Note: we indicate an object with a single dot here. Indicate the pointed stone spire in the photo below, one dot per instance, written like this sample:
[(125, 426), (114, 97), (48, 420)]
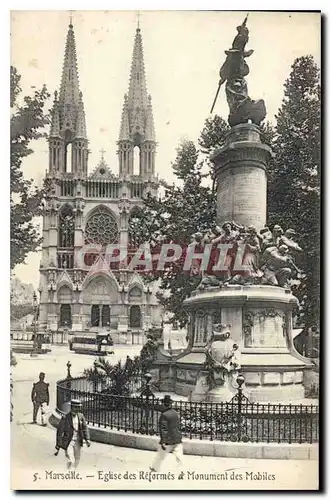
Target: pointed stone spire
[(137, 123), (69, 90), (68, 120), (137, 95)]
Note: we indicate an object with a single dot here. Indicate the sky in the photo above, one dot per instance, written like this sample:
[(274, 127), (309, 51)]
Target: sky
[(183, 51)]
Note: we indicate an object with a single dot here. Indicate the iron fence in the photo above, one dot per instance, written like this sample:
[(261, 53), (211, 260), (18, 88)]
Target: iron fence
[(237, 420)]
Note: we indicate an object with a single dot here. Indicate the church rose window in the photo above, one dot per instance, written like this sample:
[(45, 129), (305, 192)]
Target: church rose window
[(101, 228)]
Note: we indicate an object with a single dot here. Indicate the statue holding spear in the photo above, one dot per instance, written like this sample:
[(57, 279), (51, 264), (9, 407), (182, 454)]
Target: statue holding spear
[(242, 108)]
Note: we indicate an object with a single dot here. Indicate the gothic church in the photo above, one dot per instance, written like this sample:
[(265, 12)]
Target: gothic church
[(85, 209)]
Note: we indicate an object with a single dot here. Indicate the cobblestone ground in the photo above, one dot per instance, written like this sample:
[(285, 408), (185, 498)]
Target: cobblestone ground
[(34, 466)]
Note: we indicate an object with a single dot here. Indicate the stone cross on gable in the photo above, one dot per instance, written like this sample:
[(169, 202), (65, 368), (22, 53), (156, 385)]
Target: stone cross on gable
[(102, 151)]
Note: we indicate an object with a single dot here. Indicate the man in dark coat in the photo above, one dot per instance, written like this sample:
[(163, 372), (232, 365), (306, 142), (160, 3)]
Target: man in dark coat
[(39, 397), (71, 433), (170, 434)]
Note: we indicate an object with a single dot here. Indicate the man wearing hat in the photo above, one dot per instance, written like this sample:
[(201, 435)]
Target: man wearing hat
[(71, 433), (40, 396), (170, 434)]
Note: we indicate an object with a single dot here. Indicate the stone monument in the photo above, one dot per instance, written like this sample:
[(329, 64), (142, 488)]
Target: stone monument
[(254, 297)]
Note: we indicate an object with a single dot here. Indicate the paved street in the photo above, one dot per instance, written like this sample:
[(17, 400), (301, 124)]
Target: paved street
[(109, 467)]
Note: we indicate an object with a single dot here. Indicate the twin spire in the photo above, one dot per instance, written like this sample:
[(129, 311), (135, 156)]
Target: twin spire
[(68, 117), (137, 122), (68, 110)]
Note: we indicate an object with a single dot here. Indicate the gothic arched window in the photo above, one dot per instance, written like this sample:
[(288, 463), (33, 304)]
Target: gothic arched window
[(67, 227), (101, 228)]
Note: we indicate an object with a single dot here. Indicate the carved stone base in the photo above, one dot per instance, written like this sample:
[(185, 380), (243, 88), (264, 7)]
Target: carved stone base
[(261, 324)]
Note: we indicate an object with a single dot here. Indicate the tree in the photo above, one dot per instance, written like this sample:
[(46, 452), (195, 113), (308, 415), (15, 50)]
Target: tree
[(211, 138), (26, 124), (119, 379), (183, 211), (294, 177)]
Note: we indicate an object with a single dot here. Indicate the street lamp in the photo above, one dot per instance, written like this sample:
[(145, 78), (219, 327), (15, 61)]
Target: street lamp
[(35, 342)]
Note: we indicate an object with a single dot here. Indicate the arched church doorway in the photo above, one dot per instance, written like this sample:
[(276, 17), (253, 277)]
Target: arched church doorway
[(135, 317), (100, 315), (100, 293)]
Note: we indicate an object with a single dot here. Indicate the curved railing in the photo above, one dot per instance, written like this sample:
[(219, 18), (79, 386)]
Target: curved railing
[(237, 420)]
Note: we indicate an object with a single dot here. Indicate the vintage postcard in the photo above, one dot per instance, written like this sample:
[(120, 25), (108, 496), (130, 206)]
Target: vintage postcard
[(165, 242)]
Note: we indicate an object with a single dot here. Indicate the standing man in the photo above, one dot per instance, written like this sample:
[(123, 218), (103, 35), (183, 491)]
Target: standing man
[(171, 436), (39, 397), (71, 433)]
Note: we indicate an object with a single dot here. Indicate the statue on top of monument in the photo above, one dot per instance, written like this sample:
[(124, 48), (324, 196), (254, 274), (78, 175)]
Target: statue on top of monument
[(242, 108)]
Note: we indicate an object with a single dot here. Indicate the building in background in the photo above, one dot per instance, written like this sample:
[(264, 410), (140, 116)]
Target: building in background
[(79, 290), (21, 304)]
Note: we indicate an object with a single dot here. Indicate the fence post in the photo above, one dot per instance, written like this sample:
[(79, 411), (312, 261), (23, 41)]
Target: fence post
[(95, 377), (148, 394), (240, 382), (67, 394), (69, 377)]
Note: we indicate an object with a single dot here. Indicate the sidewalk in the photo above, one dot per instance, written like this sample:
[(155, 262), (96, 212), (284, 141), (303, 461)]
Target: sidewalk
[(101, 461), (109, 467)]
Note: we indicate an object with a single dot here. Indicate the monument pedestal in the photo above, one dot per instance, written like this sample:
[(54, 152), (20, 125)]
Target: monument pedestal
[(261, 319), (240, 167)]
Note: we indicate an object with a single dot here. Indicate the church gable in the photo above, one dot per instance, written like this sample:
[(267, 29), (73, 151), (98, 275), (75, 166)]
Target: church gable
[(64, 279), (100, 268), (136, 281)]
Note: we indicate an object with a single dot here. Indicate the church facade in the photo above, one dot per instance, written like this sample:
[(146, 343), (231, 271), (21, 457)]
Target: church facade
[(84, 213)]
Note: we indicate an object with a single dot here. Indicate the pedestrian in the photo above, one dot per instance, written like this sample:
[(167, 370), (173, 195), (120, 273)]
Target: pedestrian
[(71, 433), (170, 434), (40, 397)]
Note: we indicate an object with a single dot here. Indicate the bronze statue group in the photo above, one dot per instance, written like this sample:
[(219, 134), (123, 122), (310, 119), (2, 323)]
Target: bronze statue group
[(266, 258)]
